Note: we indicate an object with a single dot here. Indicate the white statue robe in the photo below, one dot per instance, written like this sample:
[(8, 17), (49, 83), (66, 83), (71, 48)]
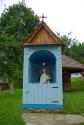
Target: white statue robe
[(43, 78)]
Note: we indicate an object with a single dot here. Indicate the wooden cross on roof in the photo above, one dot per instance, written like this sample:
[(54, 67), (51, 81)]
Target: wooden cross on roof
[(43, 17)]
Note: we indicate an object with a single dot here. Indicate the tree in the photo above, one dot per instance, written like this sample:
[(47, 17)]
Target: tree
[(77, 51), (19, 21), (73, 48), (16, 24)]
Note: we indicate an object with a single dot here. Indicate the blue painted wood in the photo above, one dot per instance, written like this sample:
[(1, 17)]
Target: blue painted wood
[(25, 78), (46, 106), (42, 93), (38, 93)]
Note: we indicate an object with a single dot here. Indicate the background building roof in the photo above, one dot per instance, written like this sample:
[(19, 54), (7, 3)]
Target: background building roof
[(71, 64)]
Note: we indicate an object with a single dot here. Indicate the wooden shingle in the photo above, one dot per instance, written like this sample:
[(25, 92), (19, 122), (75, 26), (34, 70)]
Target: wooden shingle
[(43, 35)]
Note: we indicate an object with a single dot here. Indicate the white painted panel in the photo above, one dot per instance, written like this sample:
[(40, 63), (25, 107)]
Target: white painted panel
[(29, 95), (42, 93), (49, 94), (36, 93)]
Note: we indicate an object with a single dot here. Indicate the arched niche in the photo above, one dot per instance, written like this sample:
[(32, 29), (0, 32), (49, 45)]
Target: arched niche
[(36, 60)]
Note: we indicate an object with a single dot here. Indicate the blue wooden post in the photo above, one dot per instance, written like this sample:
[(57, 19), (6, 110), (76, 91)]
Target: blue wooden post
[(59, 78), (25, 76)]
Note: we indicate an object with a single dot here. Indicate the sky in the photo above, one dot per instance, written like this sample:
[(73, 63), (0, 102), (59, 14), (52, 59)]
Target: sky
[(63, 16)]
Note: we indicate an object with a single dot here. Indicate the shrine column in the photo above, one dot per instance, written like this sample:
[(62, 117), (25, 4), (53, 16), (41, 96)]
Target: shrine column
[(59, 79), (25, 76)]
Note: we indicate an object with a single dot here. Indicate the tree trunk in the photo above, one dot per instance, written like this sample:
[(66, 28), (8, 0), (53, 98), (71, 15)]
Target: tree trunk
[(12, 88)]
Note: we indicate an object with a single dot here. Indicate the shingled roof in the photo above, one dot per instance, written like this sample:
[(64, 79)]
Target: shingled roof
[(71, 64)]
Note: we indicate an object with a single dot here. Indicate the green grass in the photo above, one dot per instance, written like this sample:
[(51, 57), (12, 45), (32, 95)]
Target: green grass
[(78, 124), (74, 100), (10, 108), (77, 84)]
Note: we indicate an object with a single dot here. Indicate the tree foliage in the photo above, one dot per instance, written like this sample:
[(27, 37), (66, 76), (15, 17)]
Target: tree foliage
[(16, 24), (73, 48), (19, 21)]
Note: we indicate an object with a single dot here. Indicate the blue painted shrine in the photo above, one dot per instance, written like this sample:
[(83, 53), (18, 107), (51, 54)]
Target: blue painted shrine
[(43, 47)]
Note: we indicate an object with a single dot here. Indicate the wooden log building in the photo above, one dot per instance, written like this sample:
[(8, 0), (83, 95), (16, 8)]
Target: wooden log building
[(70, 66)]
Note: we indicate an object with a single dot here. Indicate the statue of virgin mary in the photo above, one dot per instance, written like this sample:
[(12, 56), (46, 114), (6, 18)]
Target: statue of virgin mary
[(44, 74)]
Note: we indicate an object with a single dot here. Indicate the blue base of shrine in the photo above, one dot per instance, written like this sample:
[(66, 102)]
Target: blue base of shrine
[(46, 106)]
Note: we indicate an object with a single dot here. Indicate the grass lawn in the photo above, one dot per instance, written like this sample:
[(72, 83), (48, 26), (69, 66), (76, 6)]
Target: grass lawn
[(78, 124), (74, 100), (10, 106), (77, 84)]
